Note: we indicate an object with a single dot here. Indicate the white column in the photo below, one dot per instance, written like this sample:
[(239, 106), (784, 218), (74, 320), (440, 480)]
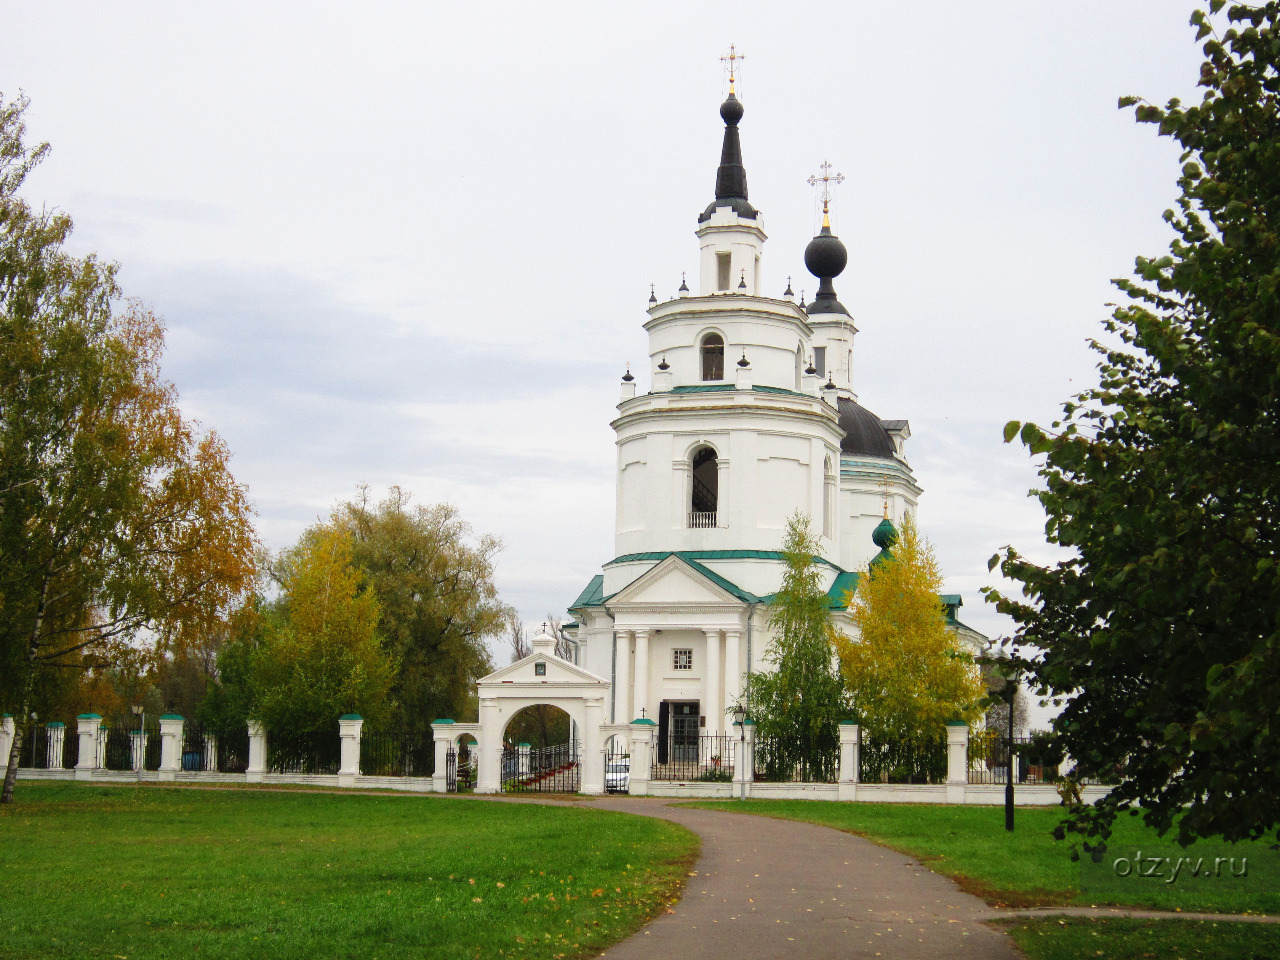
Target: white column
[(622, 679), (349, 727), (732, 667), (957, 760), (442, 731), (87, 725), (712, 684), (170, 745), (850, 762), (592, 749), (722, 488), (642, 674), (257, 752), (210, 753)]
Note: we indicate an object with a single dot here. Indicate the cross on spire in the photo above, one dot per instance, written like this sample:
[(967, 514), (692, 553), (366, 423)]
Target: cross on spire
[(885, 486), (732, 60), (826, 180)]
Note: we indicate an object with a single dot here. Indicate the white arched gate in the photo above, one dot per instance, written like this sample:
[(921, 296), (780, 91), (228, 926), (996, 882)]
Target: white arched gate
[(540, 678)]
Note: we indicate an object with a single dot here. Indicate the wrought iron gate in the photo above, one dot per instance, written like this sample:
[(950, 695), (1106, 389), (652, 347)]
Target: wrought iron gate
[(555, 769)]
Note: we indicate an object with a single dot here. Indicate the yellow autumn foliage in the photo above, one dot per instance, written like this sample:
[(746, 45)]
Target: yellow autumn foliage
[(906, 674)]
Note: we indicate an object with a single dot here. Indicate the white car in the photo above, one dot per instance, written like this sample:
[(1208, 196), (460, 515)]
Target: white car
[(617, 774)]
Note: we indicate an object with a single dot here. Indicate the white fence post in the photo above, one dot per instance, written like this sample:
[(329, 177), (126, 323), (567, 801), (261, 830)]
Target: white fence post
[(349, 726), (957, 760), (257, 753), (442, 732), (55, 736), (850, 761), (642, 732), (171, 725), (87, 725)]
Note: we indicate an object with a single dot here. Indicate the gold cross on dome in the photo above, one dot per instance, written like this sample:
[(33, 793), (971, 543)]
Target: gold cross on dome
[(885, 486), (732, 60), (826, 180)]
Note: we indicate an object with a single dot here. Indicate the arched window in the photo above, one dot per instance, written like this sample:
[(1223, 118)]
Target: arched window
[(828, 499), (704, 497), (712, 357)]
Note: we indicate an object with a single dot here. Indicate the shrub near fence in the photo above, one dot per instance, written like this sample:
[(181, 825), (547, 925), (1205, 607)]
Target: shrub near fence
[(402, 754), (319, 753), (788, 760), (902, 761)]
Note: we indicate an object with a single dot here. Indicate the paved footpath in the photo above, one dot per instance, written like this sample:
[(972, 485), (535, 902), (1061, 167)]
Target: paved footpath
[(778, 888)]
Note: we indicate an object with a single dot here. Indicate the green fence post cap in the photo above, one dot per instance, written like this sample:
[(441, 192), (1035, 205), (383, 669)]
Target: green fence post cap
[(55, 723), (351, 716), (444, 720), (171, 716), (524, 744), (89, 716), (644, 722), (852, 722), (957, 723)]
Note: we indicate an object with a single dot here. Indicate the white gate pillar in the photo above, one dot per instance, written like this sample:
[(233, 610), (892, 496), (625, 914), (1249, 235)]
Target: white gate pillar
[(257, 752), (6, 738), (87, 725), (642, 732), (489, 745), (850, 761), (56, 733), (349, 727), (442, 731), (170, 745), (592, 748), (957, 760), (744, 758)]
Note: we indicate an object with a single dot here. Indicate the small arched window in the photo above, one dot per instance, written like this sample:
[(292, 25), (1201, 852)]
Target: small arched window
[(828, 499), (705, 495), (712, 357)]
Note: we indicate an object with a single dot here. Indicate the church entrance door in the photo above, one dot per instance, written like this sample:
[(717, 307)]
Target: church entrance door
[(678, 731)]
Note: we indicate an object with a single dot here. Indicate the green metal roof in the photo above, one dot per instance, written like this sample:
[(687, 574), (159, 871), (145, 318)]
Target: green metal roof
[(703, 388), (592, 595), (951, 599)]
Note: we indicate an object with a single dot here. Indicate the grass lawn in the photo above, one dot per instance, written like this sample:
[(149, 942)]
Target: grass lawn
[(1030, 868), (1048, 939), (147, 872)]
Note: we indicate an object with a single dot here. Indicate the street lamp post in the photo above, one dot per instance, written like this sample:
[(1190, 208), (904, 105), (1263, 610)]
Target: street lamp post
[(740, 718)]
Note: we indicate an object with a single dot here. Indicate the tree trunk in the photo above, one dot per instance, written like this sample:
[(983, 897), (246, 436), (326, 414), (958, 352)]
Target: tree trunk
[(33, 648)]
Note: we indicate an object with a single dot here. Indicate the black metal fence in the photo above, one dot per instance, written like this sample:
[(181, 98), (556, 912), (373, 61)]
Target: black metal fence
[(556, 769), (70, 749), (902, 761), (221, 749), (706, 758), (617, 766), (790, 760), (989, 760), (34, 751), (319, 753), (397, 754), (119, 741)]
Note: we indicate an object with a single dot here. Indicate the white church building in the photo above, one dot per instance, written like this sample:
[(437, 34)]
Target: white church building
[(750, 416)]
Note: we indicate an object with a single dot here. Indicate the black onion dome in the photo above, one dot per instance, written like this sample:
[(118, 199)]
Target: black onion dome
[(731, 175), (826, 257), (864, 434)]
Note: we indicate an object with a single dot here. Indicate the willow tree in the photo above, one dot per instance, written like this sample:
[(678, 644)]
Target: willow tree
[(799, 703), (1161, 629), (119, 520), (906, 674)]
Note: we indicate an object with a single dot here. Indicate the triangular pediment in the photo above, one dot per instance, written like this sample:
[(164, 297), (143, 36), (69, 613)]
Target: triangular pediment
[(674, 581), (558, 671)]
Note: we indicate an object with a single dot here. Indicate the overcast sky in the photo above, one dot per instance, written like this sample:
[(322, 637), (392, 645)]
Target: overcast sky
[(412, 243)]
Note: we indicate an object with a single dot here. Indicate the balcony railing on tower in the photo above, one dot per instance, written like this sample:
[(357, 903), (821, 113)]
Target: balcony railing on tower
[(701, 519)]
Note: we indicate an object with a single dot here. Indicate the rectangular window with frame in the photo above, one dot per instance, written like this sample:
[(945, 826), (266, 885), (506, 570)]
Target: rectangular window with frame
[(820, 360), (682, 659), (724, 270)]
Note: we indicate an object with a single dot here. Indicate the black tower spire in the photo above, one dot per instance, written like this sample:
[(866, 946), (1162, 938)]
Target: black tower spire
[(731, 176)]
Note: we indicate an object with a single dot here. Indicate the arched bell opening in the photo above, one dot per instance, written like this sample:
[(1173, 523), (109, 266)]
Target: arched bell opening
[(704, 498)]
